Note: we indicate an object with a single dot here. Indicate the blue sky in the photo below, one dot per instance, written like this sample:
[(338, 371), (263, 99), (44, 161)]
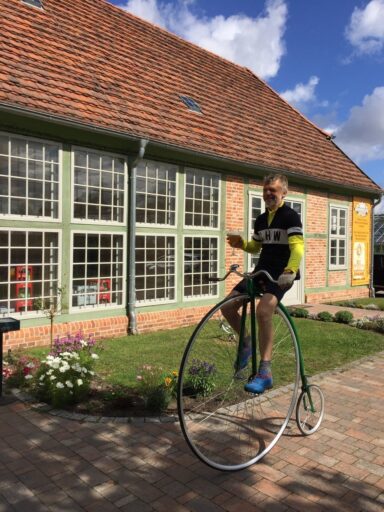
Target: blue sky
[(325, 57)]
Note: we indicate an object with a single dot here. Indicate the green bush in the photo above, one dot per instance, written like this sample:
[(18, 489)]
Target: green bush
[(379, 325), (298, 312), (156, 387), (325, 316), (200, 378), (343, 317), (65, 378)]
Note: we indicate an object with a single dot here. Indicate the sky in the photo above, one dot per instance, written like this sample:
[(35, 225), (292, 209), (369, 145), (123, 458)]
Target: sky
[(325, 57)]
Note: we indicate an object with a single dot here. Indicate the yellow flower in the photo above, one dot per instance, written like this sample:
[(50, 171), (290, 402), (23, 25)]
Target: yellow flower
[(167, 381), (174, 374)]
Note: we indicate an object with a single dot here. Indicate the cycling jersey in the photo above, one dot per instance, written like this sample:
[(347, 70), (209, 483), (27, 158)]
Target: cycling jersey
[(275, 234)]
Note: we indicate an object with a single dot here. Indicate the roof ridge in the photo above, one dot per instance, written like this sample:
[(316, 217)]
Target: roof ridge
[(323, 132), (327, 135)]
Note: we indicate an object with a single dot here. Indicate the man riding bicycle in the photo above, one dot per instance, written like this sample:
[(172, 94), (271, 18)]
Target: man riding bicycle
[(278, 234)]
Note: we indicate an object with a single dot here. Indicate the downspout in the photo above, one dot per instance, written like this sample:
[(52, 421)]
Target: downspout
[(132, 325), (371, 287)]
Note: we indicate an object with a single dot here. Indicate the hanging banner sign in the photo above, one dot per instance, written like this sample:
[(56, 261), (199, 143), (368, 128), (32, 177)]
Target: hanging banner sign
[(361, 241)]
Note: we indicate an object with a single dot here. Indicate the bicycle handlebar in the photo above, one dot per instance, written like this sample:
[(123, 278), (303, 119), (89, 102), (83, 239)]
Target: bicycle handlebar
[(247, 275)]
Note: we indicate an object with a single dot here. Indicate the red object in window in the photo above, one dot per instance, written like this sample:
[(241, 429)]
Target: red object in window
[(22, 305), (23, 290), (104, 291), (22, 273)]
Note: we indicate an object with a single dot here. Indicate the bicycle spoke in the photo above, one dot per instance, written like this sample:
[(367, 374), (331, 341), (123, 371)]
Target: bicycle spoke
[(225, 426)]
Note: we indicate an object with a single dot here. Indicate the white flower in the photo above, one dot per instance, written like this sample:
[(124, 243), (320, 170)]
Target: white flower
[(84, 370), (29, 376), (60, 385), (64, 367), (42, 377), (91, 372), (30, 365), (52, 377), (69, 384), (79, 382), (94, 356)]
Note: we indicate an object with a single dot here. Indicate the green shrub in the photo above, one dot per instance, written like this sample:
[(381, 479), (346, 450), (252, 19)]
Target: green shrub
[(18, 370), (298, 312), (200, 378), (64, 379), (325, 316), (343, 317), (379, 325), (156, 387)]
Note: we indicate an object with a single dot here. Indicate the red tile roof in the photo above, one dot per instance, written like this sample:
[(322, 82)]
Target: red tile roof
[(90, 62)]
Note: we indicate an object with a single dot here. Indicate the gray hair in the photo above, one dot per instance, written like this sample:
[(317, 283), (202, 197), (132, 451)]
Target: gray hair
[(270, 178)]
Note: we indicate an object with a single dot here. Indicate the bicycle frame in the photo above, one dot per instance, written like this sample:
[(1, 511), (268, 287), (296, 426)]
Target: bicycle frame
[(255, 293)]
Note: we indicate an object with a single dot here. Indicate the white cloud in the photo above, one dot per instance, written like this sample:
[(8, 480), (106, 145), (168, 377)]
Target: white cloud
[(362, 135), (302, 94), (366, 28), (256, 43), (380, 208)]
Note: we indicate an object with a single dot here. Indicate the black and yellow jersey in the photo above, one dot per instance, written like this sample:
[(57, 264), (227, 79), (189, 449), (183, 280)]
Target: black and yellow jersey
[(279, 235)]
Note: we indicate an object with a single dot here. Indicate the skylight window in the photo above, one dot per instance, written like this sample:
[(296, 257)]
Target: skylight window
[(190, 103), (34, 3)]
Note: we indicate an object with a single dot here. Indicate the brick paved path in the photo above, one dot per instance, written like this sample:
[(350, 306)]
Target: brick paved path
[(49, 463)]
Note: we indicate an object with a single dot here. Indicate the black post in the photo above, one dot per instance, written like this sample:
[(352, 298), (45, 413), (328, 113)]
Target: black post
[(1, 364), (6, 325)]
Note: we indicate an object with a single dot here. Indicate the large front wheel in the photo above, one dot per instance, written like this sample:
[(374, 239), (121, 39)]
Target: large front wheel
[(225, 426)]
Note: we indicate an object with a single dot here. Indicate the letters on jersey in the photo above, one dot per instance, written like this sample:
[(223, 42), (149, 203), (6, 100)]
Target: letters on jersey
[(274, 238)]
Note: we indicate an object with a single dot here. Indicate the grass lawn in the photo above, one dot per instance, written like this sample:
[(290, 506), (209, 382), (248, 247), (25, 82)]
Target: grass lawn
[(325, 346), (361, 303)]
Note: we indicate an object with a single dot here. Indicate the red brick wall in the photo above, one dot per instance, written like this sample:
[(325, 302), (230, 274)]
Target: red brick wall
[(40, 336), (316, 223), (234, 219)]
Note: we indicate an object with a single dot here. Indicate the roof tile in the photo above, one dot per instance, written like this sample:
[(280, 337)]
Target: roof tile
[(91, 62)]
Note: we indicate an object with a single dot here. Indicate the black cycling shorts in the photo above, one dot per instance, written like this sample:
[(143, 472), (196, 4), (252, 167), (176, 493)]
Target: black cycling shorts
[(264, 285)]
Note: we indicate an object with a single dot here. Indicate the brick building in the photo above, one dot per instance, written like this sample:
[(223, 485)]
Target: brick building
[(126, 153)]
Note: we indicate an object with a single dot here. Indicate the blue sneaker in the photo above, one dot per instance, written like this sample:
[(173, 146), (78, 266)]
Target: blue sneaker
[(260, 383), (244, 357)]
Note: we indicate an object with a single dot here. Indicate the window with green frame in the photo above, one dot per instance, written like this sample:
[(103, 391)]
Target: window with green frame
[(176, 249), (338, 237), (29, 178), (29, 270)]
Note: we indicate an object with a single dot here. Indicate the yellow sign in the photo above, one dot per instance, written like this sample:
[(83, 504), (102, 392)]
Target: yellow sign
[(361, 240)]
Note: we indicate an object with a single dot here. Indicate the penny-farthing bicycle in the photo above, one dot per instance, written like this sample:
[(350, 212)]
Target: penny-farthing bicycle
[(226, 427)]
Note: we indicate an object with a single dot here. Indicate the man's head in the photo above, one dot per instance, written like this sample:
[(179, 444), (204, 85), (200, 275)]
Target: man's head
[(274, 190)]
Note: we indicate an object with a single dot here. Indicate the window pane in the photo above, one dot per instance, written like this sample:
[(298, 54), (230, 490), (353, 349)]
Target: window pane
[(102, 187), (155, 270), (338, 241), (97, 271), (26, 161), (201, 199), (200, 262), (156, 192), (21, 269)]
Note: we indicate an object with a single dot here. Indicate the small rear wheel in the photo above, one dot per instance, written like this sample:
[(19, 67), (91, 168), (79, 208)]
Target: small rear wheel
[(310, 410)]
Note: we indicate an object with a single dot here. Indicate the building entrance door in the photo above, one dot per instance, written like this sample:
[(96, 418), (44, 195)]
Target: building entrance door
[(295, 295)]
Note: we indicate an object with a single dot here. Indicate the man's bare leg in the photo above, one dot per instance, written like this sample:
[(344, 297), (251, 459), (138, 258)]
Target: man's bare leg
[(264, 313), (231, 312)]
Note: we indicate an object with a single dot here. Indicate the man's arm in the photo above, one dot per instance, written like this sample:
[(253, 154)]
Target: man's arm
[(296, 246), (251, 246)]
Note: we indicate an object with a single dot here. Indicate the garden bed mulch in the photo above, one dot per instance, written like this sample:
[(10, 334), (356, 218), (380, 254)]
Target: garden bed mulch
[(130, 405)]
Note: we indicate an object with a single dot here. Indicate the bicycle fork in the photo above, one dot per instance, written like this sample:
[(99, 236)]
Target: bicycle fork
[(304, 379)]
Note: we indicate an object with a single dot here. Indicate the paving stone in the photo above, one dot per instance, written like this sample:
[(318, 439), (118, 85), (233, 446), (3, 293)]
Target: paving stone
[(59, 464)]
